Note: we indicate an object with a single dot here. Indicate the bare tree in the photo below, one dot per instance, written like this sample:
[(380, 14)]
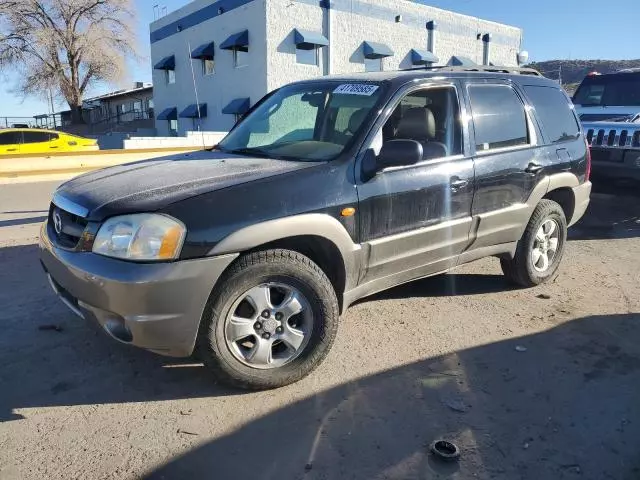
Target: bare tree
[(66, 45)]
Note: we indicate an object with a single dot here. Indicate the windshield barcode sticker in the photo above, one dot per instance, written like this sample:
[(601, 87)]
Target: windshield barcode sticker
[(356, 89)]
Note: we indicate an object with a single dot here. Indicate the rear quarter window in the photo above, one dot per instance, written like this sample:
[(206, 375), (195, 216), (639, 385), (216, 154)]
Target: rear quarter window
[(554, 111)]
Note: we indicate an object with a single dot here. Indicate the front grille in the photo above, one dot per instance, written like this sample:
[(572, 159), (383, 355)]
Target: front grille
[(70, 227), (614, 138)]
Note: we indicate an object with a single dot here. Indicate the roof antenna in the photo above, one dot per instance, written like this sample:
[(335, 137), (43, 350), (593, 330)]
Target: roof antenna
[(195, 89)]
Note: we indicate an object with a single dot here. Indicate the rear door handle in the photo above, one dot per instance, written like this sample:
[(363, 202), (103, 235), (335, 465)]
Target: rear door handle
[(533, 168), (457, 183)]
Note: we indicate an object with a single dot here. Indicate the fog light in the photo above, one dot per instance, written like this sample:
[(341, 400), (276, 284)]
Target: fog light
[(117, 329)]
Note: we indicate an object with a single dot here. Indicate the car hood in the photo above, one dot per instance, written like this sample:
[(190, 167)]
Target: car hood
[(611, 114), (150, 185)]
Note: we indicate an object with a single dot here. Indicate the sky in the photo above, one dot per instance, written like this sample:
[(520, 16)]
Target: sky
[(553, 29)]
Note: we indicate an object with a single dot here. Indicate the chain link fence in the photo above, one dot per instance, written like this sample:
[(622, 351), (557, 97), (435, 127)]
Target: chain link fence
[(52, 122)]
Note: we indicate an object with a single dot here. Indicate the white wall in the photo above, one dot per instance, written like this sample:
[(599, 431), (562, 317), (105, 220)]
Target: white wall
[(356, 21), (272, 59), (192, 139), (227, 83)]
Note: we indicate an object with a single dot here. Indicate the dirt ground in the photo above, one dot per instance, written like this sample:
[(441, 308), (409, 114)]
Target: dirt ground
[(530, 384)]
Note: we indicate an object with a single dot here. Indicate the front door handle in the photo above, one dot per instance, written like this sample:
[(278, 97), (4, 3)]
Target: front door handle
[(533, 168), (457, 183), (11, 149)]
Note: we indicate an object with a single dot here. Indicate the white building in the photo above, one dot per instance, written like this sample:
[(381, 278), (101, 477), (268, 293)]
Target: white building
[(212, 60)]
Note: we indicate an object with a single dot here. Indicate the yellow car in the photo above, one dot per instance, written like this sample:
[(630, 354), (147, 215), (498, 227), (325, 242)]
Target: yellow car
[(33, 140)]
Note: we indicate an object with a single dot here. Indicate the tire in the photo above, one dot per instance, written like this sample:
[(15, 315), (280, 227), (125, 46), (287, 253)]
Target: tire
[(275, 271), (521, 270)]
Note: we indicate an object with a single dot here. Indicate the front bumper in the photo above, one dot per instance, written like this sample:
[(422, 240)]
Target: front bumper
[(156, 306), (581, 194), (616, 163)]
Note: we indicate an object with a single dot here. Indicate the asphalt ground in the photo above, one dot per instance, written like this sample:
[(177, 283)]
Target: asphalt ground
[(539, 383)]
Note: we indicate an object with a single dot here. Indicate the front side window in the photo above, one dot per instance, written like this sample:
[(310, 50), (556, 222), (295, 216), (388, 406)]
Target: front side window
[(554, 111), (307, 57), (170, 76), (301, 121), (431, 117), (35, 137), (207, 66), (372, 64), (498, 116), (240, 57)]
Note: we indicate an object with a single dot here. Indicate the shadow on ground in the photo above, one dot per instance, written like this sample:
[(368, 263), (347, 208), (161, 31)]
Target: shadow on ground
[(565, 408), (13, 222), (613, 213)]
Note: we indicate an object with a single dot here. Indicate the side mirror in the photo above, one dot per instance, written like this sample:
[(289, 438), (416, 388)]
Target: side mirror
[(398, 153)]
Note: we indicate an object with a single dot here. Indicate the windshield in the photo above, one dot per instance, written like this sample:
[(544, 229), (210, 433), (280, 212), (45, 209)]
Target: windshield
[(310, 122), (615, 90)]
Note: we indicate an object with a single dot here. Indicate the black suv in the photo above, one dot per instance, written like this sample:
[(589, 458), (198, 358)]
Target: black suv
[(327, 191)]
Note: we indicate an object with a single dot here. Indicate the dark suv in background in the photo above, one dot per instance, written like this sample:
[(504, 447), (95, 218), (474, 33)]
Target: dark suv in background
[(327, 191)]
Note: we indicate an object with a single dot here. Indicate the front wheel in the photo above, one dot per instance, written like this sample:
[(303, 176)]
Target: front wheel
[(541, 247), (271, 321)]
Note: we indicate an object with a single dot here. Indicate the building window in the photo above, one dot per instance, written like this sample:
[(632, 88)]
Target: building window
[(173, 128), (240, 57), (170, 76), (207, 66), (372, 64), (308, 57)]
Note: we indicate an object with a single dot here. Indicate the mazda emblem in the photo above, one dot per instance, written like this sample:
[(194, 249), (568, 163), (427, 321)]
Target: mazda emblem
[(57, 222)]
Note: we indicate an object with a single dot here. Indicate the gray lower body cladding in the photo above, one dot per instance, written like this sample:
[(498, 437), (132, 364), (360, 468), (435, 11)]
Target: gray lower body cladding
[(156, 306)]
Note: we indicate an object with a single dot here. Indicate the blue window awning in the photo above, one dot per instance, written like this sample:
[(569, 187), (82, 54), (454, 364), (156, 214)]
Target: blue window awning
[(458, 61), (168, 114), (306, 40), (194, 111), (423, 57), (239, 106), (167, 63), (238, 40), (376, 50), (205, 51)]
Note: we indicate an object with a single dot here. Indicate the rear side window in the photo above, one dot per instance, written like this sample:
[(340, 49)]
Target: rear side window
[(498, 116), (35, 137), (553, 110), (9, 138)]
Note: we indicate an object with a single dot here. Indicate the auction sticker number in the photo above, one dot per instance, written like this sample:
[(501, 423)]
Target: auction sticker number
[(356, 89)]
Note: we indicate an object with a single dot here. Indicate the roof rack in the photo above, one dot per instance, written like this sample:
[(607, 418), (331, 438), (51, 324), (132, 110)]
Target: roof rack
[(481, 68)]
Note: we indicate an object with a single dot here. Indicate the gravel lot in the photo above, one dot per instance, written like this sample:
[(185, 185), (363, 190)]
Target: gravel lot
[(436, 358)]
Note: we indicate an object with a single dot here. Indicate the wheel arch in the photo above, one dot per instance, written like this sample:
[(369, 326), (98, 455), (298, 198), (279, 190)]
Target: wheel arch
[(320, 237)]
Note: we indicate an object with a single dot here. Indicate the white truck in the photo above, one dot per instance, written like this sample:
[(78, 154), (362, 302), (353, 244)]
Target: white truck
[(609, 109)]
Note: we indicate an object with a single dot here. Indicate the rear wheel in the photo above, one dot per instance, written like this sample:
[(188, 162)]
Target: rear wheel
[(271, 321), (540, 249)]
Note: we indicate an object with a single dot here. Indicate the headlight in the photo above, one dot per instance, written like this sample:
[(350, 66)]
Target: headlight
[(142, 236)]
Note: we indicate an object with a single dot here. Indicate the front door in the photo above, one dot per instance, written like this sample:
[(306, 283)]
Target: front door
[(9, 142), (508, 163), (415, 220)]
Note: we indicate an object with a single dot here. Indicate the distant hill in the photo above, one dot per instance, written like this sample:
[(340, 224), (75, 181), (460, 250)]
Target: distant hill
[(573, 71)]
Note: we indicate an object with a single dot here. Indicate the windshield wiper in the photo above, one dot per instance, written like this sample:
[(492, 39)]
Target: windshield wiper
[(258, 152)]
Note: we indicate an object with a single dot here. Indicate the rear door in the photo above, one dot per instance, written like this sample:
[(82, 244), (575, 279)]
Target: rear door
[(509, 161), (9, 142), (560, 128)]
